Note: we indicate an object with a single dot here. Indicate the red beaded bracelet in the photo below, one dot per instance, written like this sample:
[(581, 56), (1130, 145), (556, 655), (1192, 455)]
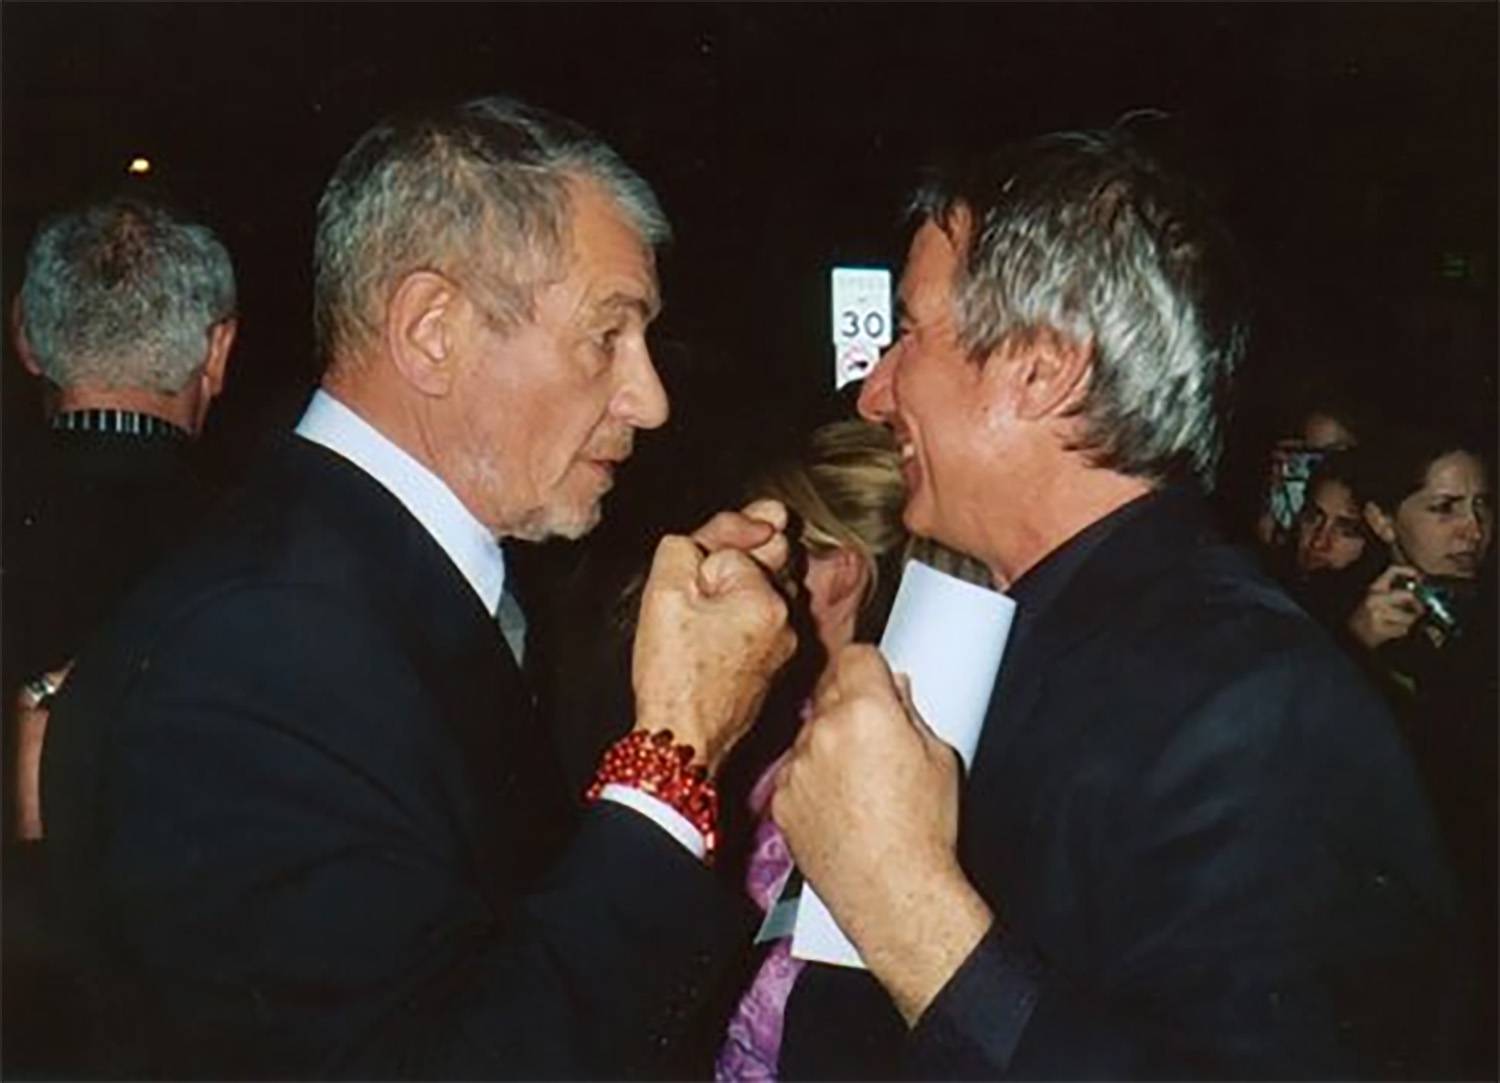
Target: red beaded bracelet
[(651, 763)]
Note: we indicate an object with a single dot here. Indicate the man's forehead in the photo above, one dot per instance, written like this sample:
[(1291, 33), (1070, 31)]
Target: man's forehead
[(930, 264), (609, 251)]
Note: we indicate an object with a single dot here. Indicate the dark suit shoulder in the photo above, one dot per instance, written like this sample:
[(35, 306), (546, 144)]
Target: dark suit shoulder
[(308, 520), (90, 516), (1212, 687), (312, 606)]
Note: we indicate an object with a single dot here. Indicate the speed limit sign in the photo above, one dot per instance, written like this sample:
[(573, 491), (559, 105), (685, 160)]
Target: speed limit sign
[(861, 320)]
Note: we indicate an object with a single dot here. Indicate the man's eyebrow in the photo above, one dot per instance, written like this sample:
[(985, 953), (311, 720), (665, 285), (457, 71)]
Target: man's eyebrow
[(646, 307)]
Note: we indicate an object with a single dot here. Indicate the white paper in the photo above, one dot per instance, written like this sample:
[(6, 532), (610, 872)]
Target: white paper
[(948, 636)]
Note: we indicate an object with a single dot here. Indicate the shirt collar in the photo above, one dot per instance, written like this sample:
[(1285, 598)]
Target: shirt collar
[(116, 422), (467, 541), (1042, 584)]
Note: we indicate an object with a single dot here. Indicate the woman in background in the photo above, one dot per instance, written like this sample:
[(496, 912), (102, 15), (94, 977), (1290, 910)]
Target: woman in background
[(1333, 554), (1427, 627), (1427, 501), (847, 494)]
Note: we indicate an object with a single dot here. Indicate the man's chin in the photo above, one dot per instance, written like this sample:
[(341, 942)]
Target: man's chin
[(567, 523), (575, 529), (918, 519)]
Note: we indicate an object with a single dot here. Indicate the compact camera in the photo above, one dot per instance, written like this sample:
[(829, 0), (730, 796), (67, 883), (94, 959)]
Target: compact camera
[(1433, 599)]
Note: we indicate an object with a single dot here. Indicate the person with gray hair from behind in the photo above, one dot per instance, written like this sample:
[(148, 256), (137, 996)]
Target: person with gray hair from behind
[(1191, 843), (128, 308), (127, 311), (299, 806)]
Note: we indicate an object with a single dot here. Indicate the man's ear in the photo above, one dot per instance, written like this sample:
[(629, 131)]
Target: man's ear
[(1046, 373), (422, 330), (18, 335), (1379, 522), (216, 365)]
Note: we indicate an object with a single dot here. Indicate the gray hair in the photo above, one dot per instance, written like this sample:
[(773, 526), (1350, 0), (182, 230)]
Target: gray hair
[(479, 190), (1082, 235), (123, 293)]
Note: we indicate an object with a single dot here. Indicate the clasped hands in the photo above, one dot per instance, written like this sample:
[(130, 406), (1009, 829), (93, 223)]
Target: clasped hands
[(867, 796)]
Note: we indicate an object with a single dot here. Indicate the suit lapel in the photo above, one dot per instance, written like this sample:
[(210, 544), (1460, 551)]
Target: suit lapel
[(507, 804)]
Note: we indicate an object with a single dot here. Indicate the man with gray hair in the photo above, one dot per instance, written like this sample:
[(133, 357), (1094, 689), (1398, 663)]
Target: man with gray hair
[(128, 307), (296, 794), (128, 313), (1191, 844)]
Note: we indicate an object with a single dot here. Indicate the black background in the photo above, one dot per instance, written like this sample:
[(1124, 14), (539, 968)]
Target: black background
[(1353, 148)]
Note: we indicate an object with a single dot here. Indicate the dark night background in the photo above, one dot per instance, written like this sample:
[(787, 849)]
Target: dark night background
[(1353, 148)]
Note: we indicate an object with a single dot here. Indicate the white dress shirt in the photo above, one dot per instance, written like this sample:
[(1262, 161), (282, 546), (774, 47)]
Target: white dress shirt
[(468, 542)]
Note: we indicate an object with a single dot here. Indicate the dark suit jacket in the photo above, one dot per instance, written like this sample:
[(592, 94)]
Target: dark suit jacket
[(303, 817), (1200, 831), (90, 513), (87, 514)]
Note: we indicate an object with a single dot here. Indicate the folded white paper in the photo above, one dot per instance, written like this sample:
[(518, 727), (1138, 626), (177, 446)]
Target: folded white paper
[(948, 636)]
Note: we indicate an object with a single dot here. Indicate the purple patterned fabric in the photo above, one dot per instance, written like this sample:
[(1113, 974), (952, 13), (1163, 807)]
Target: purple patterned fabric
[(752, 1045)]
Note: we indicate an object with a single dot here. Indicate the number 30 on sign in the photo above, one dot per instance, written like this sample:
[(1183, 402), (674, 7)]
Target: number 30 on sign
[(861, 320)]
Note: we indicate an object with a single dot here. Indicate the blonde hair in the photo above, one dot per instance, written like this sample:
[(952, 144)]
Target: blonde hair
[(846, 489)]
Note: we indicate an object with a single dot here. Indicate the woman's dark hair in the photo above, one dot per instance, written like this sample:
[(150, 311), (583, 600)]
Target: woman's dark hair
[(1393, 465)]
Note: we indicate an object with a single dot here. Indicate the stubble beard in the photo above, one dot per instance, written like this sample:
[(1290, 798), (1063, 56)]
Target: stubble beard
[(553, 522), (563, 516)]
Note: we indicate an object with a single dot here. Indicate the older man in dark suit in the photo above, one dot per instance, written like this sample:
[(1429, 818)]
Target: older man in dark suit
[(1192, 845), (301, 810)]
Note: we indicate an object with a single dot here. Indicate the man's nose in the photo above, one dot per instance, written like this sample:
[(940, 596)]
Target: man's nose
[(876, 402), (642, 400)]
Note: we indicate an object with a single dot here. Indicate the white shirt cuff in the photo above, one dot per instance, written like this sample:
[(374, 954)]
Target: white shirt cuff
[(660, 813)]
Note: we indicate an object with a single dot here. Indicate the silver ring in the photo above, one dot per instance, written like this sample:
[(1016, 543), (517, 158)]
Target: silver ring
[(38, 692)]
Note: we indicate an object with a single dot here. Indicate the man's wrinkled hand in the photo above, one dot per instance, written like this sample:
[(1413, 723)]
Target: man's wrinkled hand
[(757, 529), (713, 632), (868, 800)]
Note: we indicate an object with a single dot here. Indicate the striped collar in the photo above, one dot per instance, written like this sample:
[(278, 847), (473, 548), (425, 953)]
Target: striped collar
[(116, 422)]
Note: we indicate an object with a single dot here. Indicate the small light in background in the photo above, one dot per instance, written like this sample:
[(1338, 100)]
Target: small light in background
[(139, 166)]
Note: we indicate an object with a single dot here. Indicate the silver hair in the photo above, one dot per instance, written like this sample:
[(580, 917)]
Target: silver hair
[(480, 190), (123, 293), (1082, 235)]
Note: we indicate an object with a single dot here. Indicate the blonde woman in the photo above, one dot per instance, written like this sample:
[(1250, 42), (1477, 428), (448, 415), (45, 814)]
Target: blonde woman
[(846, 493)]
